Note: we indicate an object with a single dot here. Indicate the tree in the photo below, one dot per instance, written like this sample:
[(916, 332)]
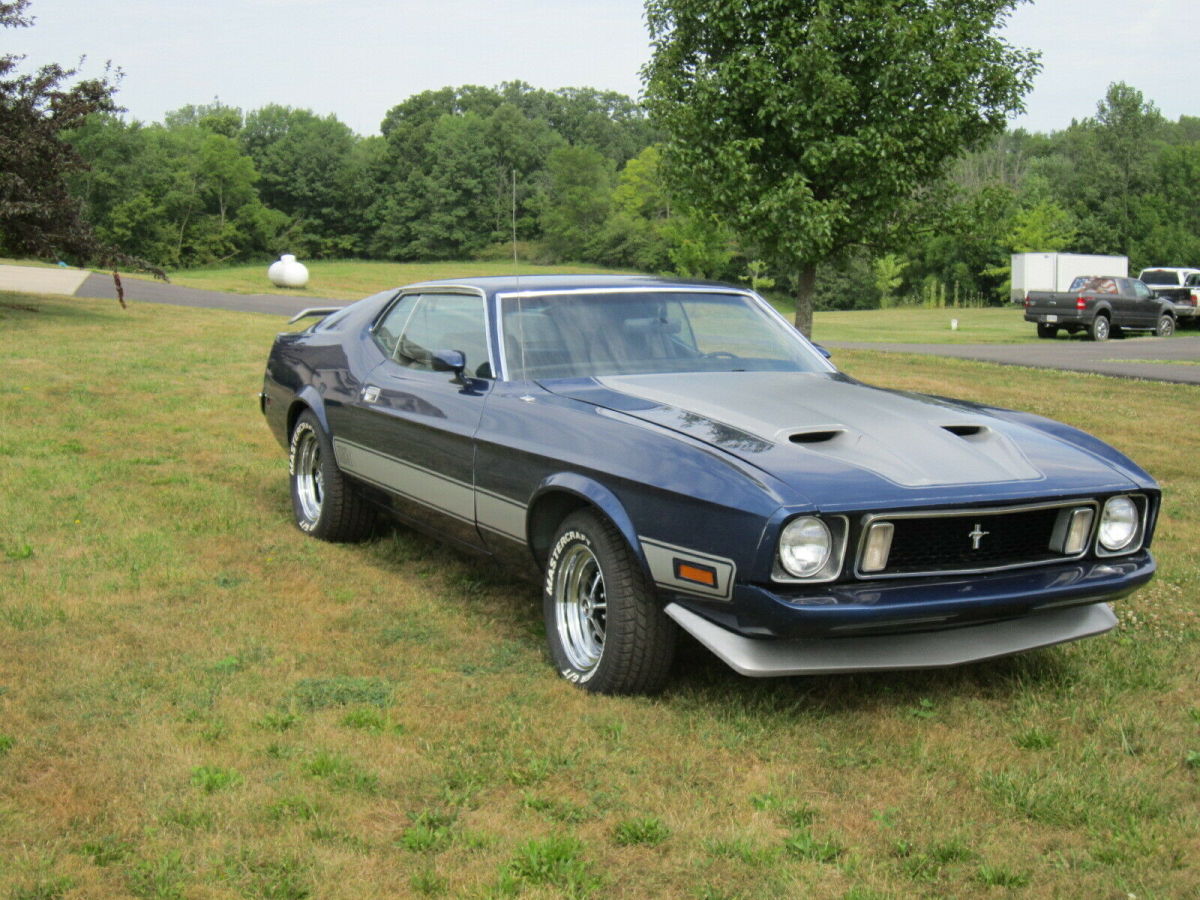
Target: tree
[(576, 201), (1111, 171), (806, 125), (39, 216)]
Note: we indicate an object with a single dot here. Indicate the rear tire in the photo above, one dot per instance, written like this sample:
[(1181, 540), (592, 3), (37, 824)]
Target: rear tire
[(606, 630), (1165, 327), (1100, 328), (1047, 331), (324, 502)]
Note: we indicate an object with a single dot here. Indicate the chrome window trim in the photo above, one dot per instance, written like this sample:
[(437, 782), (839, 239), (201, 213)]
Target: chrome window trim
[(869, 519), (754, 298), (418, 290)]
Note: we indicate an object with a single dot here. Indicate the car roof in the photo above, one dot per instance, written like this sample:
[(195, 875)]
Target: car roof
[(511, 284)]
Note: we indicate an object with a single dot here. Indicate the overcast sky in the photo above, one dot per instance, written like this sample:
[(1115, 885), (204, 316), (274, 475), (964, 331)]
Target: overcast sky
[(358, 58)]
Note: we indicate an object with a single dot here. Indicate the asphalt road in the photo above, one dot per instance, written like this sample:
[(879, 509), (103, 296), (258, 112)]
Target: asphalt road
[(143, 291), (1174, 359)]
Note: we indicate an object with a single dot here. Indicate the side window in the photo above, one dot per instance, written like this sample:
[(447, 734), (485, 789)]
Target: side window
[(445, 322), (391, 326)]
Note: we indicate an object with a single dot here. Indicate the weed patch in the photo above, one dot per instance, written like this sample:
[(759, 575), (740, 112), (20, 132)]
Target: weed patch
[(319, 693)]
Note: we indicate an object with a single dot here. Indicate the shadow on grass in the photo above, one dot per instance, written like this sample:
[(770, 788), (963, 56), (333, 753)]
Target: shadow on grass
[(700, 679), (17, 309), (478, 586)]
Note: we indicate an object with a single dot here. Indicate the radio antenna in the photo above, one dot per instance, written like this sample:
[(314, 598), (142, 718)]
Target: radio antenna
[(517, 277), (516, 265)]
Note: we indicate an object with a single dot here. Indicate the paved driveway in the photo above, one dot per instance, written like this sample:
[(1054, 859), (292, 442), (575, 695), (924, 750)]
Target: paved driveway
[(1157, 359)]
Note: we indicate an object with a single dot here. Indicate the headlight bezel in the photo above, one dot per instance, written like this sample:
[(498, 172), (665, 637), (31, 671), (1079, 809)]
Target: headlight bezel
[(1137, 535), (830, 569)]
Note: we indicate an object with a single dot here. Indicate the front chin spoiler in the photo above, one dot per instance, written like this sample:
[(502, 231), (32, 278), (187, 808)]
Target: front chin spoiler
[(761, 658)]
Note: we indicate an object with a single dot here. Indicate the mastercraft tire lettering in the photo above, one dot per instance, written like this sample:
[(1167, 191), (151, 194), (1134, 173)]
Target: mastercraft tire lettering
[(605, 630), (325, 504)]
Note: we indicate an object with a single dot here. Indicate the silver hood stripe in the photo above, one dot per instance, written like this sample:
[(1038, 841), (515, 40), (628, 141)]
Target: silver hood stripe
[(907, 440)]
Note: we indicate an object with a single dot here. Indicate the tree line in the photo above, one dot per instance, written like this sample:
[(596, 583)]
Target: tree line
[(578, 173)]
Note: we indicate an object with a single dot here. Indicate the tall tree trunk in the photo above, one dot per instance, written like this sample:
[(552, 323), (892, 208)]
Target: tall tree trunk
[(803, 284)]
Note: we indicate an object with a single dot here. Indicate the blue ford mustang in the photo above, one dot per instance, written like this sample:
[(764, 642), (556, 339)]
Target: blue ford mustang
[(674, 455)]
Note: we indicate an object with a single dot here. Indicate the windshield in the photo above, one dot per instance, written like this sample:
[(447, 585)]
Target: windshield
[(579, 335)]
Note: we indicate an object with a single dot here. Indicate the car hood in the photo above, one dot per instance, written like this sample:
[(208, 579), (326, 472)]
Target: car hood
[(840, 444)]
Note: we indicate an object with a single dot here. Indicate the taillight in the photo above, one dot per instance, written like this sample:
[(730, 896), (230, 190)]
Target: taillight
[(1081, 302), (1027, 301)]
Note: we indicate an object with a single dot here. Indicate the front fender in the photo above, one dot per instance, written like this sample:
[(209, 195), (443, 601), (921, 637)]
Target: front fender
[(595, 494)]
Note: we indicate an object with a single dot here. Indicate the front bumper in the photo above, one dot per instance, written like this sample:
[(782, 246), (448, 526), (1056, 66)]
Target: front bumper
[(861, 609), (922, 650)]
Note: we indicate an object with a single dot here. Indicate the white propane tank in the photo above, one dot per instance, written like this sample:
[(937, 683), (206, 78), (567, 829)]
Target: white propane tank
[(286, 272)]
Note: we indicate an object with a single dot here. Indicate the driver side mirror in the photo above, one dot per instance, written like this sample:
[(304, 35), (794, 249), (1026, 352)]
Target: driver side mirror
[(449, 361)]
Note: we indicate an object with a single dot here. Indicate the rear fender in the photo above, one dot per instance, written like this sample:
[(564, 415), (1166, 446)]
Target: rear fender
[(308, 398)]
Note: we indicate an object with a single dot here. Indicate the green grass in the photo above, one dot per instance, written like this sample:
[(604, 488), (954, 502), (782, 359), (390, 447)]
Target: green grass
[(198, 701), (903, 325), (1160, 362), (352, 279)]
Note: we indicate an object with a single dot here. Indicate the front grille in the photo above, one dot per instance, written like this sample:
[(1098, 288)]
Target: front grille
[(965, 541)]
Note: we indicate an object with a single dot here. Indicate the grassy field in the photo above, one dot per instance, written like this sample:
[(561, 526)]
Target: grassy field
[(910, 325), (196, 701), (352, 279)]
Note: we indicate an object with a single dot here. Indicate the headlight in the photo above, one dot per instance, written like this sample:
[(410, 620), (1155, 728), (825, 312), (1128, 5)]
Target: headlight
[(804, 546), (1118, 524)]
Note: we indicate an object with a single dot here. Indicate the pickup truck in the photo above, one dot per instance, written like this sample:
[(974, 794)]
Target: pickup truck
[(1180, 286), (1101, 305)]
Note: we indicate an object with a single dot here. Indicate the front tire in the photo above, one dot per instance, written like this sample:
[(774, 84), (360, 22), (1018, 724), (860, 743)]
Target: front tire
[(1165, 327), (324, 502), (605, 629), (1100, 328)]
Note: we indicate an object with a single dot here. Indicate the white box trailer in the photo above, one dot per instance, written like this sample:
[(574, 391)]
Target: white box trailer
[(1056, 271)]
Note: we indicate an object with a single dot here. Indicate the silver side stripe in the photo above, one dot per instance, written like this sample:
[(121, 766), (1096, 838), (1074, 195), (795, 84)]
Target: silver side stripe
[(670, 566), (501, 515), (443, 494), (446, 495)]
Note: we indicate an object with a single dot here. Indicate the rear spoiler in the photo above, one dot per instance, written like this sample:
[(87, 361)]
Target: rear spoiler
[(321, 311)]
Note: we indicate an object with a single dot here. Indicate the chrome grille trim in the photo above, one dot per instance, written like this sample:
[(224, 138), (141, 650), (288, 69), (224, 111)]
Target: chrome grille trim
[(866, 521)]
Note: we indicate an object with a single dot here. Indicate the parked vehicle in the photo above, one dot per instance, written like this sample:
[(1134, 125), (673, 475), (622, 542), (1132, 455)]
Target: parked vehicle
[(1180, 286), (1100, 305), (1056, 271), (673, 454)]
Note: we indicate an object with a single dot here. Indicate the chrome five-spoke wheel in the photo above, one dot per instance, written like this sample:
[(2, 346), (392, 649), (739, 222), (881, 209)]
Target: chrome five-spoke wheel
[(604, 623), (310, 482), (325, 503), (580, 606)]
